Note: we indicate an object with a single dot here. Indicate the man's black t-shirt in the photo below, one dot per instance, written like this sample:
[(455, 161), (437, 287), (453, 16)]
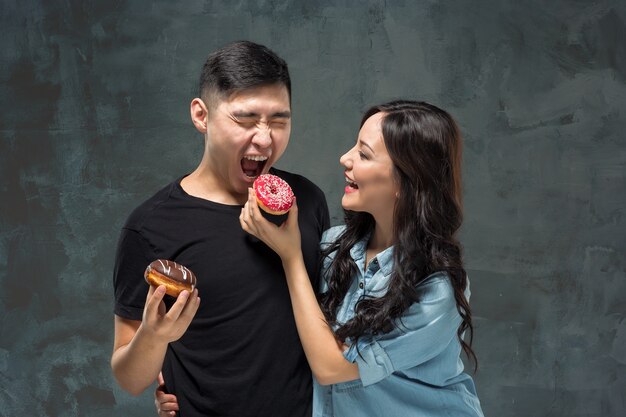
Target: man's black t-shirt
[(241, 355)]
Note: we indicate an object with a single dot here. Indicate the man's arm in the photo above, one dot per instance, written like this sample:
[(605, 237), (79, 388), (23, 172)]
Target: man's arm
[(139, 346)]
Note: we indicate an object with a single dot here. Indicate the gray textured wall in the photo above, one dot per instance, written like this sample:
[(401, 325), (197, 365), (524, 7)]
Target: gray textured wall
[(94, 118)]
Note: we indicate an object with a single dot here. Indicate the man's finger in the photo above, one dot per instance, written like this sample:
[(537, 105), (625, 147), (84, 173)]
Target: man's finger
[(178, 306), (151, 289), (191, 307), (155, 296)]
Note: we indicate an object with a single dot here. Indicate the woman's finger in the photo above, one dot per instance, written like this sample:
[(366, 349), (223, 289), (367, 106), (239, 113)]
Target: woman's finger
[(245, 222), (292, 217), (251, 203), (168, 406)]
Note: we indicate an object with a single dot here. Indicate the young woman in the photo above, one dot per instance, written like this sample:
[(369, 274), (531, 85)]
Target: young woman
[(385, 336)]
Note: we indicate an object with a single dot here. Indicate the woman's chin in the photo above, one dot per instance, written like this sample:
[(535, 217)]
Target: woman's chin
[(346, 205)]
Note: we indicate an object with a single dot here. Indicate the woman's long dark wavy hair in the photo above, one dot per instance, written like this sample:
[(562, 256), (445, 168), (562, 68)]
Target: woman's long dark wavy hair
[(424, 144)]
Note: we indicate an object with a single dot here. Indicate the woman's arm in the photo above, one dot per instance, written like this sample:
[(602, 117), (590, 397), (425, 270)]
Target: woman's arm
[(323, 352)]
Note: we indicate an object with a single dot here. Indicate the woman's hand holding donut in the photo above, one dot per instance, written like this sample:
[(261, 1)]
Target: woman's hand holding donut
[(168, 326), (283, 239)]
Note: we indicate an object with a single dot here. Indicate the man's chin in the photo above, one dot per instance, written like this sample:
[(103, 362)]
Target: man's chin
[(242, 185)]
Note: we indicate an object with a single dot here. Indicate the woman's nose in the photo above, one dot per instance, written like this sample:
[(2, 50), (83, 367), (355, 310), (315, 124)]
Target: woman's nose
[(345, 160)]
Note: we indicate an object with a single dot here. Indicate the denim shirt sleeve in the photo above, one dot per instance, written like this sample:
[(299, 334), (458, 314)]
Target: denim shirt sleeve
[(423, 332), (328, 238)]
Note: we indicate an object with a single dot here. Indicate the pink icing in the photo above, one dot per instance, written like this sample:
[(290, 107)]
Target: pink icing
[(273, 192)]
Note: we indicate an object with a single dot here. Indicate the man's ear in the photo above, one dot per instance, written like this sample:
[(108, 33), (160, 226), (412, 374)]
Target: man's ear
[(199, 114)]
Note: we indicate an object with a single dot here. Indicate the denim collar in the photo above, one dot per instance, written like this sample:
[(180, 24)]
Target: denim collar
[(384, 258)]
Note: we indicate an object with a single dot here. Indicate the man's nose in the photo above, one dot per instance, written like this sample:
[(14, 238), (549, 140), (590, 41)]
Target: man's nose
[(263, 137)]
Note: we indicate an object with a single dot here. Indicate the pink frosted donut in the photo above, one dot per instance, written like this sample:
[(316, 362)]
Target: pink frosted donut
[(273, 194)]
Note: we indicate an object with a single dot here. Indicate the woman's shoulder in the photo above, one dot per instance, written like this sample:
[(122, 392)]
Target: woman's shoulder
[(331, 235), (436, 286)]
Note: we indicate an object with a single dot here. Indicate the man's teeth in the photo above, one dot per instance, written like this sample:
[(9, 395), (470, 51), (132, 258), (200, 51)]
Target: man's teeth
[(258, 158)]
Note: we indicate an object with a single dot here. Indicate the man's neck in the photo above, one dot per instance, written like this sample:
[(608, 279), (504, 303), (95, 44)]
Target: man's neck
[(202, 183)]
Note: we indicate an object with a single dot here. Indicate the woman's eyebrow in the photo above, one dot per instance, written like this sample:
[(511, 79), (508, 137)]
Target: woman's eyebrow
[(366, 145)]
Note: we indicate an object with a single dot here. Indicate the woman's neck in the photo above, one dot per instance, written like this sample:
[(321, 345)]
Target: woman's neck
[(381, 238)]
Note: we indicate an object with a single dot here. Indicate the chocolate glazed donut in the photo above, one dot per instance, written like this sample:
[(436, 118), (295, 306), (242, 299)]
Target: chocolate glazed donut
[(175, 277)]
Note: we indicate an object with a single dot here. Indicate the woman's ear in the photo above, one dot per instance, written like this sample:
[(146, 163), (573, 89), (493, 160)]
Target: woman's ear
[(199, 114)]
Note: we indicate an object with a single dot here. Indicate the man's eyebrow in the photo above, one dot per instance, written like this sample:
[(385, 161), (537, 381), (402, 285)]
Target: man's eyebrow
[(365, 144), (282, 114), (242, 113), (247, 114)]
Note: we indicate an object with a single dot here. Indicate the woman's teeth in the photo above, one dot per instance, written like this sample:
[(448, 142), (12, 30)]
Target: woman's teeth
[(352, 183)]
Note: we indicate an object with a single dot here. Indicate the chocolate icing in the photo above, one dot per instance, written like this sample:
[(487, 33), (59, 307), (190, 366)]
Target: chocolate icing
[(173, 270)]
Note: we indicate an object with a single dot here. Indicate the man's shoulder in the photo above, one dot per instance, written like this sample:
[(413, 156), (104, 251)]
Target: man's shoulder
[(146, 209)]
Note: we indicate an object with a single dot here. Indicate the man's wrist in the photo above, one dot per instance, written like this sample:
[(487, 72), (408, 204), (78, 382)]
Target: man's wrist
[(148, 336)]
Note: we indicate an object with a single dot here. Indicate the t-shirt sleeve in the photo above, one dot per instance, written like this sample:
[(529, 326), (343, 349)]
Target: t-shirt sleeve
[(423, 332), (133, 255), (323, 213)]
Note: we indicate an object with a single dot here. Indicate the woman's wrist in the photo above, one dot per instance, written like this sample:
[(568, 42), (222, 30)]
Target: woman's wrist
[(292, 261)]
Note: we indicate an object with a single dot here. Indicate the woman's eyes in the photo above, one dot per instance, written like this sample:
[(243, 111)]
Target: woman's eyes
[(362, 155)]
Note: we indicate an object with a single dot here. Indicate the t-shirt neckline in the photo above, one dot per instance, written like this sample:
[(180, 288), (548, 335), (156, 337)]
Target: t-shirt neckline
[(203, 201), (210, 203)]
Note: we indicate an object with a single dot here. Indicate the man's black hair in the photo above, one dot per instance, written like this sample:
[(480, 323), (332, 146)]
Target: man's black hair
[(239, 66)]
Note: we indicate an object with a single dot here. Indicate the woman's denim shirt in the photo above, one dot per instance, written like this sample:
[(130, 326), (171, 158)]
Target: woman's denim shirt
[(414, 370)]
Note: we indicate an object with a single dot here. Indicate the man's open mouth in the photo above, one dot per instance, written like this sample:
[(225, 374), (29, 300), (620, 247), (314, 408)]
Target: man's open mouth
[(252, 165)]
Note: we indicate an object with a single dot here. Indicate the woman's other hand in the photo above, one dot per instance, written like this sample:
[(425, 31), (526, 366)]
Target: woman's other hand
[(166, 404)]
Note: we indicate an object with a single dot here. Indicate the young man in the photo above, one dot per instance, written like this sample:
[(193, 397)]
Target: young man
[(236, 352)]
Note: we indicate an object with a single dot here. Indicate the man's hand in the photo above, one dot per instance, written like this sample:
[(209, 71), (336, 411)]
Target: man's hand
[(171, 325), (139, 347)]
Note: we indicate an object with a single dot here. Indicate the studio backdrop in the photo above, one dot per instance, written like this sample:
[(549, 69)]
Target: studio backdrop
[(94, 118)]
